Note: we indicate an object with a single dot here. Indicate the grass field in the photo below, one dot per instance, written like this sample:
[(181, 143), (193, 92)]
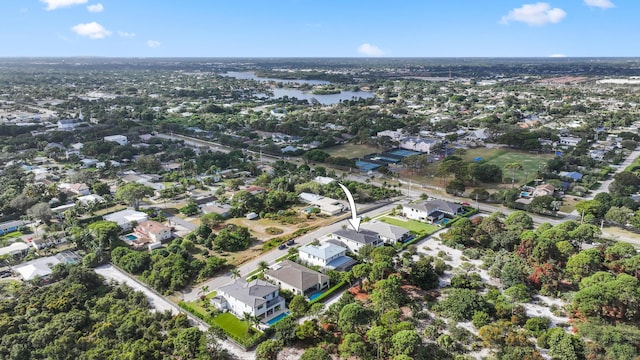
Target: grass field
[(411, 225), (6, 238), (352, 151), (232, 324), (530, 162)]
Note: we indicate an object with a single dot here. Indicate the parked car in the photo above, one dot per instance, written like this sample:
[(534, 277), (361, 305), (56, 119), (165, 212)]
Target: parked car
[(291, 242), (282, 247)]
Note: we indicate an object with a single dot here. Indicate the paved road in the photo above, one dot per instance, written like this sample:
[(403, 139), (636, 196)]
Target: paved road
[(605, 184), (160, 303)]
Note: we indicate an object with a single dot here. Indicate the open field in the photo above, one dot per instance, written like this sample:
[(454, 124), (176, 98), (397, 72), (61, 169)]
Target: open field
[(569, 204), (258, 230), (351, 151), (502, 156), (498, 156)]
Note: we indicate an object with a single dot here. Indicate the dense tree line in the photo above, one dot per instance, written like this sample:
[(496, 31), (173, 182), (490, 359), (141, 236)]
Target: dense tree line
[(170, 269), (82, 317)]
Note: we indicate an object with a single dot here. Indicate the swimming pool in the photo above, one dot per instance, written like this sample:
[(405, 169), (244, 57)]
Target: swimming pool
[(315, 295), (131, 237), (277, 318)]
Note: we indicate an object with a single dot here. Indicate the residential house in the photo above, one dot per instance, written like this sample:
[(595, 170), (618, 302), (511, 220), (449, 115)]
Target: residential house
[(213, 207), (355, 240), (296, 278), (153, 230), (69, 124), (545, 189), (418, 144), (569, 140), (395, 135), (390, 234), (328, 255), (77, 188), (431, 210), (45, 242), (120, 139), (87, 163), (17, 248), (11, 226), (573, 175), (257, 298), (38, 268), (91, 198), (323, 180), (326, 205), (597, 154), (124, 218)]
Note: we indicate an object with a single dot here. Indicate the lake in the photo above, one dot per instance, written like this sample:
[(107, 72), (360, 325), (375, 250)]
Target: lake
[(328, 99)]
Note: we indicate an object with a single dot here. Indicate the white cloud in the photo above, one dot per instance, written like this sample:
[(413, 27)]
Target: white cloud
[(557, 55), (602, 4), (56, 4), (23, 10), (535, 14), (92, 30), (126, 34), (153, 43), (95, 8), (370, 50)]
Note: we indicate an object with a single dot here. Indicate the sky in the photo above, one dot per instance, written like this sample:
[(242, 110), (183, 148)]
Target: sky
[(319, 28)]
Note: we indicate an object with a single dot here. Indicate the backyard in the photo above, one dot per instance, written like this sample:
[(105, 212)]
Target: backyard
[(411, 225), (235, 327)]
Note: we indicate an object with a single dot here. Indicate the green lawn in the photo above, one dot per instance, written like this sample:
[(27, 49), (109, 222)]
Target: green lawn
[(502, 156), (411, 225), (232, 325), (6, 238)]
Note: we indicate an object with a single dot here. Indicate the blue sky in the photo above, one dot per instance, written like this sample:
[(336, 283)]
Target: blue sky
[(319, 28)]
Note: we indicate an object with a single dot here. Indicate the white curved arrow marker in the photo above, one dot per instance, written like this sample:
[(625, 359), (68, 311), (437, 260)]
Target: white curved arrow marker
[(355, 220)]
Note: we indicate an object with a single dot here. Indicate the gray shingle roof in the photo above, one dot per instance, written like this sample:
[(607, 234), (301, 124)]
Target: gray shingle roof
[(362, 236), (386, 230), (432, 205), (251, 293), (296, 275)]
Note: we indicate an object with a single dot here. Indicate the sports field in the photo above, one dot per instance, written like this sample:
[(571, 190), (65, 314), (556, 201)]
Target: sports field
[(501, 157)]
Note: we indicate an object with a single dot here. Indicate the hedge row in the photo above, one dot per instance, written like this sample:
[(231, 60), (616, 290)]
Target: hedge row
[(246, 342), (328, 292)]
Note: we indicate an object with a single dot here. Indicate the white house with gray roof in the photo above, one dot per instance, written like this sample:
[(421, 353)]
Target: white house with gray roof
[(431, 210), (355, 240), (296, 278), (390, 234), (258, 298), (328, 255)]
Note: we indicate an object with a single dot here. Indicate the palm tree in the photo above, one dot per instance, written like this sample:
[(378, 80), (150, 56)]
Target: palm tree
[(235, 273), (263, 265)]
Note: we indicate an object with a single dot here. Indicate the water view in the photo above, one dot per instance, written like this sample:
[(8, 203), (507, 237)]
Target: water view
[(278, 93)]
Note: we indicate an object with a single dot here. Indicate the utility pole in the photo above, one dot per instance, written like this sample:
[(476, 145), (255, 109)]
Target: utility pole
[(477, 205)]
